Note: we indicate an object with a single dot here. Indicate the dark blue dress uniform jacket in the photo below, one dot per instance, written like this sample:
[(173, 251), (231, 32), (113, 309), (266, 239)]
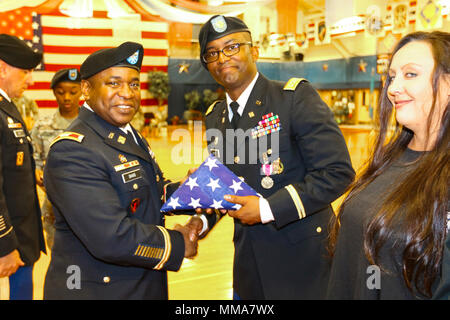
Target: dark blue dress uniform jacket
[(20, 215), (285, 259), (106, 192)]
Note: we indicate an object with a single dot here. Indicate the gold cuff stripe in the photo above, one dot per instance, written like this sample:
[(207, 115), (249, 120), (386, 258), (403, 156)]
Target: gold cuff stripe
[(6, 233), (167, 248), (149, 252), (297, 201), (2, 223)]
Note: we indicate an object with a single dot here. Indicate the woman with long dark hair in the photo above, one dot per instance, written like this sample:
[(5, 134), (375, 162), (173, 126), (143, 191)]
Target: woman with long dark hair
[(388, 238)]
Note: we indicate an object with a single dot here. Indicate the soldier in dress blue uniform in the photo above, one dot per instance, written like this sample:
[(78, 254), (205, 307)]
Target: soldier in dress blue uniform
[(21, 237), (106, 190), (283, 141)]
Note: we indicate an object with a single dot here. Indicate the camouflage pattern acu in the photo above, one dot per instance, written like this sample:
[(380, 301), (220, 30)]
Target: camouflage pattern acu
[(43, 133)]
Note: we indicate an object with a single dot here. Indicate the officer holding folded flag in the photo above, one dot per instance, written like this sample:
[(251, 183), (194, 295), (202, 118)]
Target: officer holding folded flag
[(279, 238)]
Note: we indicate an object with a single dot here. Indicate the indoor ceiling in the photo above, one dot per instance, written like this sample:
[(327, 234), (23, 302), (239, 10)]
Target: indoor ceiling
[(311, 7)]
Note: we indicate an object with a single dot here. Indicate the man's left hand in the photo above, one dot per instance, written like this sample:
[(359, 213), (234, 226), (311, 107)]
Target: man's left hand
[(249, 212)]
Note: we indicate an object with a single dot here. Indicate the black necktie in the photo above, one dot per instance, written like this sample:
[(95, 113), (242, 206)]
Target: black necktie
[(234, 107), (130, 136)]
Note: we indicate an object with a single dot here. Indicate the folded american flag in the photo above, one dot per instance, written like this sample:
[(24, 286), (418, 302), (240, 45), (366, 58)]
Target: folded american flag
[(206, 187)]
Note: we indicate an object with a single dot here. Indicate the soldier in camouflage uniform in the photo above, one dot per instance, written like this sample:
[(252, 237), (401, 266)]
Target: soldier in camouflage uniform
[(66, 88), (28, 109)]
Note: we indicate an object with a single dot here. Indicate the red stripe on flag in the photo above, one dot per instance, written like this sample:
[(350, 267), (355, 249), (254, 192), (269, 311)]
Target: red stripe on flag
[(153, 35), (56, 67), (40, 86), (89, 50), (154, 68), (77, 32), (47, 103)]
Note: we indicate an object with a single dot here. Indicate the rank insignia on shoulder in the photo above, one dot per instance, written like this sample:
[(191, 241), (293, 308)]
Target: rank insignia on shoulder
[(211, 107), (68, 136), (292, 84)]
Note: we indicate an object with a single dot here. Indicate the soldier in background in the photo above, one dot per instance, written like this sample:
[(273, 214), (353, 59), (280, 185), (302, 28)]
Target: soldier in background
[(28, 109), (66, 88), (21, 237)]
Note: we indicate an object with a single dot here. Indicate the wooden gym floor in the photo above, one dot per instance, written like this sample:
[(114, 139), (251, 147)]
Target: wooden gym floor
[(209, 275)]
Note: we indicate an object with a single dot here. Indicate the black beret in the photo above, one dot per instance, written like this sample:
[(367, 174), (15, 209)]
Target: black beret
[(65, 75), (17, 53), (128, 54), (217, 27)]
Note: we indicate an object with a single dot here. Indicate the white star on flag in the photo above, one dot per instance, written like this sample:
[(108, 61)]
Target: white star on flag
[(192, 183), (217, 204), (174, 203), (195, 203), (213, 184), (211, 163), (236, 186), (206, 187)]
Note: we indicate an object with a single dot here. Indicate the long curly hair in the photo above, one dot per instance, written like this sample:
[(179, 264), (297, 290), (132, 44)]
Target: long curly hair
[(419, 202)]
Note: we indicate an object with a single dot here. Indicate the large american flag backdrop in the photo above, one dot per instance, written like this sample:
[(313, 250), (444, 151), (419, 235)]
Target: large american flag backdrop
[(67, 41)]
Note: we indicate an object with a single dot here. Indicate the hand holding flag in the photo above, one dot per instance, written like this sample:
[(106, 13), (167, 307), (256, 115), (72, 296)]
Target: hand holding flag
[(206, 187)]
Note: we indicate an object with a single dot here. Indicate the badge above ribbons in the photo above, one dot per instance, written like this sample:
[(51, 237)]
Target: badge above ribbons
[(206, 187)]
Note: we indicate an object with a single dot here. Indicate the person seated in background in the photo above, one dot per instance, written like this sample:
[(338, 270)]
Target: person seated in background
[(389, 238), (67, 90)]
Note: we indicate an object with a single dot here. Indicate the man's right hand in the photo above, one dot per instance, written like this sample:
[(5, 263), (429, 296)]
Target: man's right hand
[(10, 263), (190, 240)]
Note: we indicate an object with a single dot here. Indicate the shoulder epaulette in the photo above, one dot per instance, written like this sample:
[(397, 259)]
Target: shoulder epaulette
[(68, 136), (293, 83), (211, 107)]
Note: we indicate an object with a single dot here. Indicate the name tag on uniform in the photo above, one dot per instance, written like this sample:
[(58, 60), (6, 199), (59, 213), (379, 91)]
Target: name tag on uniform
[(126, 165), (19, 133), (131, 175)]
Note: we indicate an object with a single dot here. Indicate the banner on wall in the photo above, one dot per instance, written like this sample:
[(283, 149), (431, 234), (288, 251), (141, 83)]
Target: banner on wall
[(374, 25), (400, 17), (321, 33), (301, 39), (428, 15)]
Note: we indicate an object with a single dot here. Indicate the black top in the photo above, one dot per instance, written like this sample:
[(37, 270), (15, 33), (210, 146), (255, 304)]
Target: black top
[(351, 275)]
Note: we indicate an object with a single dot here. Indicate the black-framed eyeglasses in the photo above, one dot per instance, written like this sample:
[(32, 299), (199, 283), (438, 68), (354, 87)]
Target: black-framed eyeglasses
[(229, 50)]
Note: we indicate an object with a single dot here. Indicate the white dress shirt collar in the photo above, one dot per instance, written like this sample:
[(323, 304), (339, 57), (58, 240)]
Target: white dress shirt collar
[(125, 128), (243, 98), (3, 93)]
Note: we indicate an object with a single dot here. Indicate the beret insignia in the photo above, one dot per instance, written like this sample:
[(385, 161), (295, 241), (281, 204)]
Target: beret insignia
[(219, 24)]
